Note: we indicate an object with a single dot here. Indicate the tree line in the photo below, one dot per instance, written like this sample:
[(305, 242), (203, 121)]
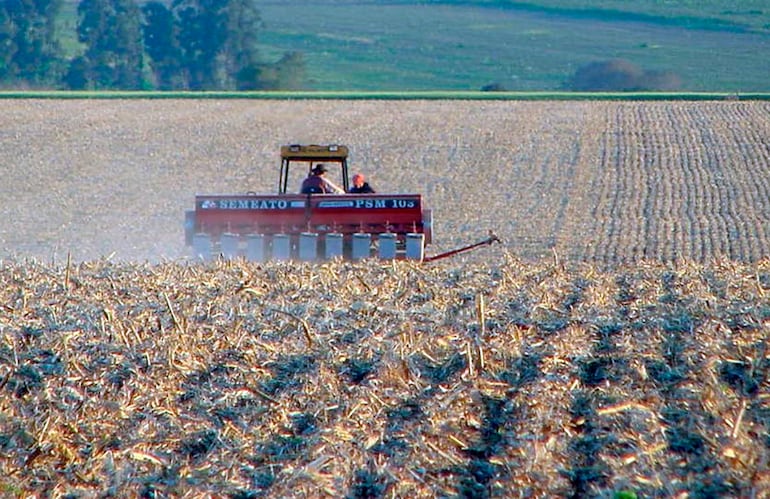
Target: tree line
[(128, 45)]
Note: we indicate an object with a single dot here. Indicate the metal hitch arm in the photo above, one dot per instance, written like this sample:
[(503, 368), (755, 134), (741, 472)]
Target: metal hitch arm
[(486, 242)]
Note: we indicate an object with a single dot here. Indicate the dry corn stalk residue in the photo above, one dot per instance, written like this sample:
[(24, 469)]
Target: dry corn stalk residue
[(614, 346), (233, 379)]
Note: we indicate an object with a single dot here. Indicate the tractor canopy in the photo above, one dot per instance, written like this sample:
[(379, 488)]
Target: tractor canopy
[(313, 155)]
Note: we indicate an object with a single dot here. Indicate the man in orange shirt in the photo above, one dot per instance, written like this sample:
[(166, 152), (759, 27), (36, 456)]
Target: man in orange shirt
[(360, 185)]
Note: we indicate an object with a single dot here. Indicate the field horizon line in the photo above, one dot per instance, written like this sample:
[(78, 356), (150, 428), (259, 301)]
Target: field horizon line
[(387, 95)]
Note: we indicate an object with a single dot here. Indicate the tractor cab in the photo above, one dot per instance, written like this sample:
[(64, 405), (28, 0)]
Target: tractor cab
[(334, 157)]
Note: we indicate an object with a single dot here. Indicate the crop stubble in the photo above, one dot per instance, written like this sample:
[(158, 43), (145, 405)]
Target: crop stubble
[(383, 380), (602, 182), (487, 378)]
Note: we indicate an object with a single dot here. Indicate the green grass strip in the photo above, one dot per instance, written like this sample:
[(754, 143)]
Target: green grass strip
[(357, 95)]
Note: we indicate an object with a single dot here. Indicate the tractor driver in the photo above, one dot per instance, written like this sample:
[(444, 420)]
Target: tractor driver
[(316, 183)]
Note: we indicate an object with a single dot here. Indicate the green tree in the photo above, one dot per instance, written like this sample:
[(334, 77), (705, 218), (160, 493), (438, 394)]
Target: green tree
[(31, 52), (114, 53), (243, 22), (161, 46), (217, 40), (78, 76), (201, 34), (184, 44), (7, 46)]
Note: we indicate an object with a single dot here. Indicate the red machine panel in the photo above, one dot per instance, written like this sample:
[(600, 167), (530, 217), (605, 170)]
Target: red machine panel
[(296, 213)]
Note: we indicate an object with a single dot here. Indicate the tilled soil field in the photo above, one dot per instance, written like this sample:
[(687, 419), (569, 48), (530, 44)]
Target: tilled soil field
[(602, 182), (614, 346)]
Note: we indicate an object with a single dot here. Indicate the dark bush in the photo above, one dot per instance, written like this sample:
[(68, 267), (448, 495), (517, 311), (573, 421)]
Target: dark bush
[(493, 87), (620, 75)]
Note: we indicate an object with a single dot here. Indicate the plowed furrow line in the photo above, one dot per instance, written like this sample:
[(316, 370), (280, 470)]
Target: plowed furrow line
[(717, 157), (691, 195), (633, 185), (640, 164), (602, 212), (751, 153), (576, 236), (694, 184), (663, 223)]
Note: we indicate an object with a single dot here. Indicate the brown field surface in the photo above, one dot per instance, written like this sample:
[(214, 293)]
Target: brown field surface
[(615, 346), (602, 182)]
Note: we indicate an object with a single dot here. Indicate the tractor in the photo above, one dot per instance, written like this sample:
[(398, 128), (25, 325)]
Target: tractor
[(312, 226), (290, 225)]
